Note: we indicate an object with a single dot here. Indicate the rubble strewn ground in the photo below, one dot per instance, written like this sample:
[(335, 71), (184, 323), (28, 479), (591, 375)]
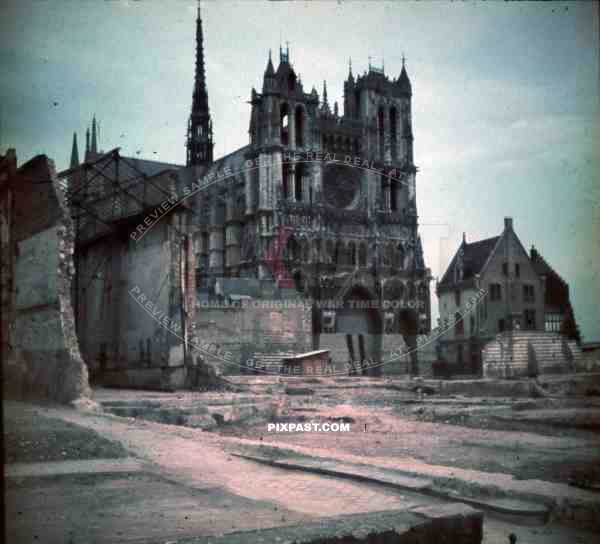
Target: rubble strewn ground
[(192, 475)]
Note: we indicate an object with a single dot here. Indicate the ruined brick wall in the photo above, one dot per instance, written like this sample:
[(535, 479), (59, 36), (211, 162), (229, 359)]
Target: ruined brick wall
[(45, 362)]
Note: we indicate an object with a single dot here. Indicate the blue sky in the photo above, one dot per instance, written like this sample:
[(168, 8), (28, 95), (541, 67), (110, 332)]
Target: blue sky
[(506, 105)]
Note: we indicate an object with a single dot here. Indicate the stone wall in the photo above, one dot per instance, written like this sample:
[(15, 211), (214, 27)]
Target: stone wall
[(528, 354), (44, 360), (450, 523), (8, 170), (249, 329)]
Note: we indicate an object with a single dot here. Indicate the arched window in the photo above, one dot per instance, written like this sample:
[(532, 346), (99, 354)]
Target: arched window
[(299, 126), (284, 119), (298, 182), (389, 254), (286, 181), (380, 126), (305, 250), (393, 131), (330, 250), (298, 280), (394, 186), (351, 254), (383, 181), (291, 250), (362, 254)]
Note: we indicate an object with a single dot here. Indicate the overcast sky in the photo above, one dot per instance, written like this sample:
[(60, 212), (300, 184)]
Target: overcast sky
[(506, 104)]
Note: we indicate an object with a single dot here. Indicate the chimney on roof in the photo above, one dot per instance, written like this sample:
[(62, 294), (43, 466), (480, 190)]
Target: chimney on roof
[(508, 223), (533, 252), (464, 238)]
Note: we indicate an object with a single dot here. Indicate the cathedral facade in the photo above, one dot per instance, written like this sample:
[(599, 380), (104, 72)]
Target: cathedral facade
[(333, 193)]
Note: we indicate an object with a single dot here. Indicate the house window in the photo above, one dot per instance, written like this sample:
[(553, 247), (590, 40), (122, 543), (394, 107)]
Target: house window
[(460, 325), (553, 322), (501, 325), (505, 268), (528, 293), (495, 291), (457, 298), (517, 270), (529, 316)]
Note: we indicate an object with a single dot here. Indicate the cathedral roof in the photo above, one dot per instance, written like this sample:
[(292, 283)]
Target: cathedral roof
[(152, 168)]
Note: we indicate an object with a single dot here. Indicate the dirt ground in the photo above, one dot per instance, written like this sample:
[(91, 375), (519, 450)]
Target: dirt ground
[(30, 438), (553, 439), (191, 484)]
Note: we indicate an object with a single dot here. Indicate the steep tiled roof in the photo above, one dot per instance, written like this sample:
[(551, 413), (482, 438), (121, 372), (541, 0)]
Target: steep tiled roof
[(542, 267), (474, 258)]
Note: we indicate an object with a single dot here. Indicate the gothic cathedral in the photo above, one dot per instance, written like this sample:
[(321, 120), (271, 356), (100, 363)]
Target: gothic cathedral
[(337, 188)]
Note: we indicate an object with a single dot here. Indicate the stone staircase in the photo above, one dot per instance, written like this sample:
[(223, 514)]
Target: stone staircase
[(271, 359), (529, 353)]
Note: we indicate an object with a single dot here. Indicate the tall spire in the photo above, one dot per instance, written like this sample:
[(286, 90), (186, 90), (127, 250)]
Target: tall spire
[(94, 148), (270, 70), (325, 105), (200, 76), (87, 140), (199, 140), (74, 152)]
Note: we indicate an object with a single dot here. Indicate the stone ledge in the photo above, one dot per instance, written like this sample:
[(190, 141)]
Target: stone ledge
[(450, 523), (525, 511)]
